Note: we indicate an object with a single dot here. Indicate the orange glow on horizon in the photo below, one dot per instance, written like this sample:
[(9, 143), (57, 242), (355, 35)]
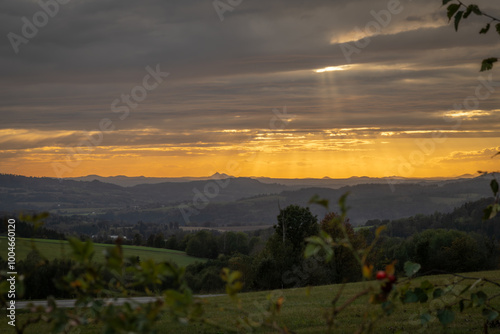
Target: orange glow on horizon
[(277, 156)]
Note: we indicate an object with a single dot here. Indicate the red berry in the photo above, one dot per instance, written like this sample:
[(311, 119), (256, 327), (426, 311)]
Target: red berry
[(381, 275), (392, 278)]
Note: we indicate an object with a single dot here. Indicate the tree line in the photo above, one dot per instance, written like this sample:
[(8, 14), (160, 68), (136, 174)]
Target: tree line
[(268, 259)]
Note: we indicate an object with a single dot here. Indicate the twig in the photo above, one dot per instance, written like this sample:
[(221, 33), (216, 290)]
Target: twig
[(482, 13), (351, 300)]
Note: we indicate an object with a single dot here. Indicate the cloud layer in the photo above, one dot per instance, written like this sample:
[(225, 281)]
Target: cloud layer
[(230, 81)]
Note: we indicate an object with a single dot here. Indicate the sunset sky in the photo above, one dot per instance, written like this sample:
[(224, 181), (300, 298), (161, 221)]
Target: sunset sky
[(282, 88)]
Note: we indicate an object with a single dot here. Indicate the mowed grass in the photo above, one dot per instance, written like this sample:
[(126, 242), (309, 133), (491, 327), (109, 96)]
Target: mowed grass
[(52, 249), (303, 312)]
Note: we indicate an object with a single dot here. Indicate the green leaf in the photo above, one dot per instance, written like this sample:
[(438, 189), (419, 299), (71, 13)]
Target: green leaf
[(467, 13), (446, 1), (425, 318), (491, 211), (83, 251), (452, 9), (487, 64), (476, 10), (343, 207), (437, 293), (478, 299), (421, 295), (311, 250), (498, 28), (458, 17), (490, 314), (411, 268), (488, 212), (445, 316), (494, 186), (426, 286), (320, 201), (472, 9), (485, 29), (410, 297)]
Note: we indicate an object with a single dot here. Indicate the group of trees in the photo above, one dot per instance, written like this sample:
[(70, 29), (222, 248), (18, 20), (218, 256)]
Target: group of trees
[(281, 264), (274, 258), (467, 217), (26, 230)]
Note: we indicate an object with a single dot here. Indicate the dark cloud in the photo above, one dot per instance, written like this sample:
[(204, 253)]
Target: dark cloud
[(231, 74)]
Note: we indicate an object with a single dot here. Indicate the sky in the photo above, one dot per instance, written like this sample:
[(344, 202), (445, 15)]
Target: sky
[(282, 88)]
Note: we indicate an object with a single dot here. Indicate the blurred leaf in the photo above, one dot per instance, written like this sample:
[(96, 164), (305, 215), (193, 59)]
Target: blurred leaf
[(426, 286), (487, 64), (311, 250), (342, 203), (320, 201), (411, 268), (458, 17), (488, 212), (494, 186), (491, 211), (475, 9), (445, 316), (421, 295), (390, 269), (279, 303), (437, 293), (410, 297), (233, 283), (472, 9), (425, 318), (498, 28), (485, 29), (367, 271), (446, 1), (114, 257), (490, 314), (379, 230), (452, 9), (83, 251), (478, 298)]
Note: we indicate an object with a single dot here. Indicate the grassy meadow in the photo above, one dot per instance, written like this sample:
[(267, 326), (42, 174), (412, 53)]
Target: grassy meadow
[(52, 249), (303, 312)]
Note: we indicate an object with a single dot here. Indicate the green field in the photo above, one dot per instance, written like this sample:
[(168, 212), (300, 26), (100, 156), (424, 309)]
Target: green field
[(52, 249), (303, 312)]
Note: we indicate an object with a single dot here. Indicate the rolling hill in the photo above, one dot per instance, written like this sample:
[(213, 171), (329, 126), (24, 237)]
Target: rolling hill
[(232, 201)]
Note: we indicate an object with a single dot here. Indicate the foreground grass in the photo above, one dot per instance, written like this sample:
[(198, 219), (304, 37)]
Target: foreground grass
[(52, 249), (303, 312)]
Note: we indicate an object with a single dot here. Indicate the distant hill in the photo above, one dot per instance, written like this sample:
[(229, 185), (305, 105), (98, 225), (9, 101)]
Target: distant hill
[(325, 182), (366, 201), (22, 193), (229, 201), (130, 181)]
